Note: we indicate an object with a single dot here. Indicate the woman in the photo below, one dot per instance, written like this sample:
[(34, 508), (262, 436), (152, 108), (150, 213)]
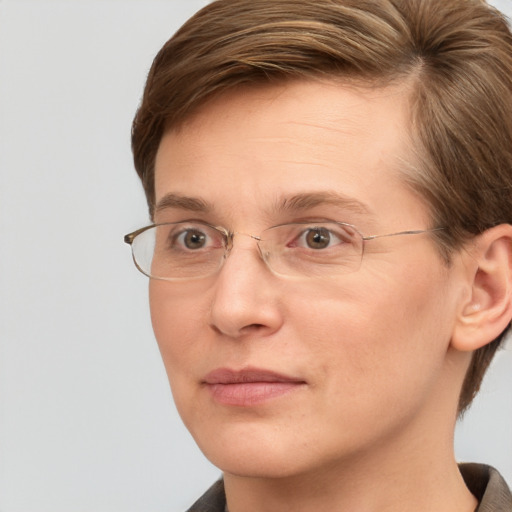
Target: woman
[(330, 262)]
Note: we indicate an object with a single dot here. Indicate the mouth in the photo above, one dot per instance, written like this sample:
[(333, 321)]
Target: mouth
[(249, 386)]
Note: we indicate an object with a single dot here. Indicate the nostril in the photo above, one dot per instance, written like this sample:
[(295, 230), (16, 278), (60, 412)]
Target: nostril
[(251, 328), (247, 330)]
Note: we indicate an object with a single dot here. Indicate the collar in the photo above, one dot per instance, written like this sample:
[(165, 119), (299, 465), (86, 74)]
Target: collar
[(486, 484)]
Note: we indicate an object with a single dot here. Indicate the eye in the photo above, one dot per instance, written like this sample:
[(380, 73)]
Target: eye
[(186, 237), (317, 238), (321, 237), (192, 239)]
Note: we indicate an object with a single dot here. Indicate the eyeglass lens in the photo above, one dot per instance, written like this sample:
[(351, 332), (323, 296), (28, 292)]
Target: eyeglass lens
[(187, 250)]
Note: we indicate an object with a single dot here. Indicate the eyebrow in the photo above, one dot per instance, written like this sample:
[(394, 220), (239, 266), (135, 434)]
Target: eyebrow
[(294, 203), (192, 204), (309, 200)]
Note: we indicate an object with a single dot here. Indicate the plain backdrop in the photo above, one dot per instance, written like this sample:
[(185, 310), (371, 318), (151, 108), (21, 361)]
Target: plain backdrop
[(86, 417)]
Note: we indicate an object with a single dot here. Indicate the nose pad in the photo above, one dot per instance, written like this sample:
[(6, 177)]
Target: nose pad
[(229, 245), (265, 257)]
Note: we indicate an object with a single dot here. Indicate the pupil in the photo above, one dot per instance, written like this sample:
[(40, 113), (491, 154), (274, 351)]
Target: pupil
[(318, 239), (194, 240)]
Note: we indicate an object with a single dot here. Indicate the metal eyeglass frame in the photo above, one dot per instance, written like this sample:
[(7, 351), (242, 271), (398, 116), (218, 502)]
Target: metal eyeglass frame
[(229, 237)]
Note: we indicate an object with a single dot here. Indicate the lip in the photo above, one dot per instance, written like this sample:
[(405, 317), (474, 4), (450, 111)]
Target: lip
[(249, 386)]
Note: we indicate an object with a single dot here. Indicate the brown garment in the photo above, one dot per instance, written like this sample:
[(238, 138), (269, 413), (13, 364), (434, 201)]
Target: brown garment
[(213, 500), (488, 486)]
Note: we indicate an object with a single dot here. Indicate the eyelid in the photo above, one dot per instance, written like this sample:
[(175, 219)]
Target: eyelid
[(192, 221), (314, 220), (315, 223), (184, 221)]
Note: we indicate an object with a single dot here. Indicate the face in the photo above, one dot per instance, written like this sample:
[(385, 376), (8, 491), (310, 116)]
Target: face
[(276, 376)]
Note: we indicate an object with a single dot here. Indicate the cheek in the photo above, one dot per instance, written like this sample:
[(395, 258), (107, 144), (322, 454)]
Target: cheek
[(178, 318), (178, 323), (381, 340)]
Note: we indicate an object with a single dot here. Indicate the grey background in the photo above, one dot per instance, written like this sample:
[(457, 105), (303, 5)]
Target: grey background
[(86, 417)]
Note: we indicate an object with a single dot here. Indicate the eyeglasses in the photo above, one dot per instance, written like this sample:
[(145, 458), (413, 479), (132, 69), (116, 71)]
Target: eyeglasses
[(192, 250)]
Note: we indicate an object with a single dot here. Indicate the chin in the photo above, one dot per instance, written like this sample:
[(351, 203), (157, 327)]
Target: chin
[(262, 466), (252, 452)]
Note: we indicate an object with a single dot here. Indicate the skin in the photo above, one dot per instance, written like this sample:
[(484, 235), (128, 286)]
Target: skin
[(370, 426)]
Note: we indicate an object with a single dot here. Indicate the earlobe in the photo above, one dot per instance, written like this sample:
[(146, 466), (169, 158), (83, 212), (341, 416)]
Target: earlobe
[(488, 310)]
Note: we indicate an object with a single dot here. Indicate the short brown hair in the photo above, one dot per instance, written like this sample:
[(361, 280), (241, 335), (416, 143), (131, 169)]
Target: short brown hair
[(458, 51)]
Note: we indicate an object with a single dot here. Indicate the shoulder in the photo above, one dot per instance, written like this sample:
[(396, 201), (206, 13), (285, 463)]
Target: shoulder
[(213, 500), (488, 486)]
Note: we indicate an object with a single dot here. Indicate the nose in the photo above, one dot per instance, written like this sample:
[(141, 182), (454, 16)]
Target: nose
[(246, 295)]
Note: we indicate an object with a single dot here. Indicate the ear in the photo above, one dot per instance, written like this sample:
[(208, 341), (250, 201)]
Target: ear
[(487, 311)]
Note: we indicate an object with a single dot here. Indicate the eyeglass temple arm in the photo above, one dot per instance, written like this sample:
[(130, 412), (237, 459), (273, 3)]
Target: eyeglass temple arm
[(130, 237), (409, 232)]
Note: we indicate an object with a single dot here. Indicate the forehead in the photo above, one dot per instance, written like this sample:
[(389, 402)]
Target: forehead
[(263, 145)]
